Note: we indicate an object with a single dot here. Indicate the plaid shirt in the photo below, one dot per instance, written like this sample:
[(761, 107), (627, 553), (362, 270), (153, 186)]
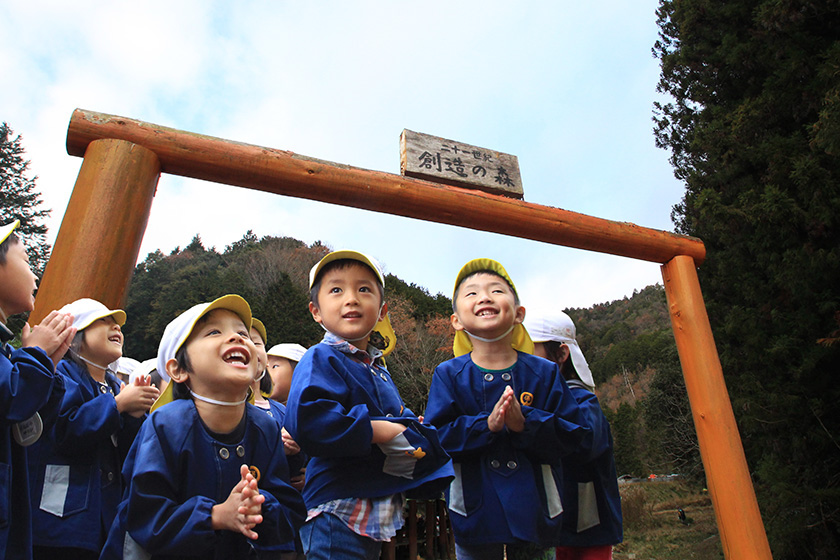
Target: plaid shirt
[(375, 518)]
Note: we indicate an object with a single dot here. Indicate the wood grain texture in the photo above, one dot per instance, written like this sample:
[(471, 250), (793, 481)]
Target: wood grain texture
[(97, 245), (290, 174), (436, 159), (733, 496)]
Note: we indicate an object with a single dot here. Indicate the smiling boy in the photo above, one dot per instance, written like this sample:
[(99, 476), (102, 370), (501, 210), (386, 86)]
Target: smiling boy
[(30, 390), (344, 410), (506, 418), (207, 477)]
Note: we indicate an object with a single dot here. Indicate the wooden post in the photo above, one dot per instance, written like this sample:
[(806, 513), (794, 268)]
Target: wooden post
[(430, 529), (99, 239), (736, 509), (412, 528)]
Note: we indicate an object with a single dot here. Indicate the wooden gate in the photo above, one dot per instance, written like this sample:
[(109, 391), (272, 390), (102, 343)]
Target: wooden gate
[(99, 241)]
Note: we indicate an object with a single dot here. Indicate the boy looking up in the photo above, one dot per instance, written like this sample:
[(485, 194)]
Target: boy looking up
[(344, 410), (30, 391), (506, 418), (207, 476)]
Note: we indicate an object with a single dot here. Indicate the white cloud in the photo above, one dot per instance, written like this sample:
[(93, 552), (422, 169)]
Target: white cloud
[(567, 87)]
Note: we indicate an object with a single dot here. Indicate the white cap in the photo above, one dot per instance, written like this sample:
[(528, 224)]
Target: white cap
[(126, 365), (558, 327), (146, 367), (177, 331), (6, 230), (85, 311), (288, 350)]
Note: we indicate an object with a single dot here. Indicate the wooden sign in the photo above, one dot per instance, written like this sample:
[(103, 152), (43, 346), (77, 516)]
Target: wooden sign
[(446, 161)]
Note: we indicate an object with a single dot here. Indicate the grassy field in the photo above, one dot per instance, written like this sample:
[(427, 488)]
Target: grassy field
[(652, 527)]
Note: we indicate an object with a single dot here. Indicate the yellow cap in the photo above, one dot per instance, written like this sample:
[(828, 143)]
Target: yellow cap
[(383, 335), (462, 344), (258, 326)]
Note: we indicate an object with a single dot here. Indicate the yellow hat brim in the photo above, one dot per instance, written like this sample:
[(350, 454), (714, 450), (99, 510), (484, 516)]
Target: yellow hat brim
[(478, 265), (259, 326), (6, 230), (384, 329), (350, 255)]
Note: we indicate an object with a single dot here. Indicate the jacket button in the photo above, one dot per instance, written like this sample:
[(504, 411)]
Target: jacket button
[(240, 451), (495, 464), (488, 377), (110, 476), (224, 453), (506, 376), (511, 465)]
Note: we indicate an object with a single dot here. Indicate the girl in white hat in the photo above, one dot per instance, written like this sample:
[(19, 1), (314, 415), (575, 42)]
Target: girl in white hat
[(76, 482), (592, 520)]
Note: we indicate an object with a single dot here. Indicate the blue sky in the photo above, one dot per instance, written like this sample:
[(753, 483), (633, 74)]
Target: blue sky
[(567, 87)]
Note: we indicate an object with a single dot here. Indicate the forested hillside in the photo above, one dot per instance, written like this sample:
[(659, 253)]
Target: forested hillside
[(628, 342)]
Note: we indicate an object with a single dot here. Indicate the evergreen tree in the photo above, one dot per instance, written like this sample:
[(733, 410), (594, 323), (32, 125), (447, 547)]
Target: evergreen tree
[(753, 133), (19, 200)]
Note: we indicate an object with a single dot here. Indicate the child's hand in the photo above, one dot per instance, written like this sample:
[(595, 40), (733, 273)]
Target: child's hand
[(53, 335), (241, 512), (514, 419), (298, 481), (384, 431), (137, 398), (290, 446), (506, 412)]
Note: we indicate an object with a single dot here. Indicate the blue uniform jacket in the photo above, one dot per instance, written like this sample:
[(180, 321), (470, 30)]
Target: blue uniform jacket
[(332, 400), (507, 485), (27, 385), (590, 489), (297, 462), (178, 472), (75, 473)]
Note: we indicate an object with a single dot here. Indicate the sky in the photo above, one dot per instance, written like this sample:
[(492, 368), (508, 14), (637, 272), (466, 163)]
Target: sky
[(567, 87)]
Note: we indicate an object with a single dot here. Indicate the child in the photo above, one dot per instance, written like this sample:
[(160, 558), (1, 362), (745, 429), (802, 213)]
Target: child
[(506, 418), (30, 390), (261, 388), (75, 472), (282, 359), (344, 410), (207, 477), (592, 521)]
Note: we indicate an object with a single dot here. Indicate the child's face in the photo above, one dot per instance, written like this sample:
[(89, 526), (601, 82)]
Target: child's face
[(349, 305), (103, 341), (223, 357), (280, 370), (260, 345), (17, 281), (486, 306)]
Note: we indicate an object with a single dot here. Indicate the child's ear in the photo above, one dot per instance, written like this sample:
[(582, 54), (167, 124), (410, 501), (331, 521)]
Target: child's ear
[(520, 315), (456, 322), (383, 311), (316, 313), (177, 374), (564, 352)]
